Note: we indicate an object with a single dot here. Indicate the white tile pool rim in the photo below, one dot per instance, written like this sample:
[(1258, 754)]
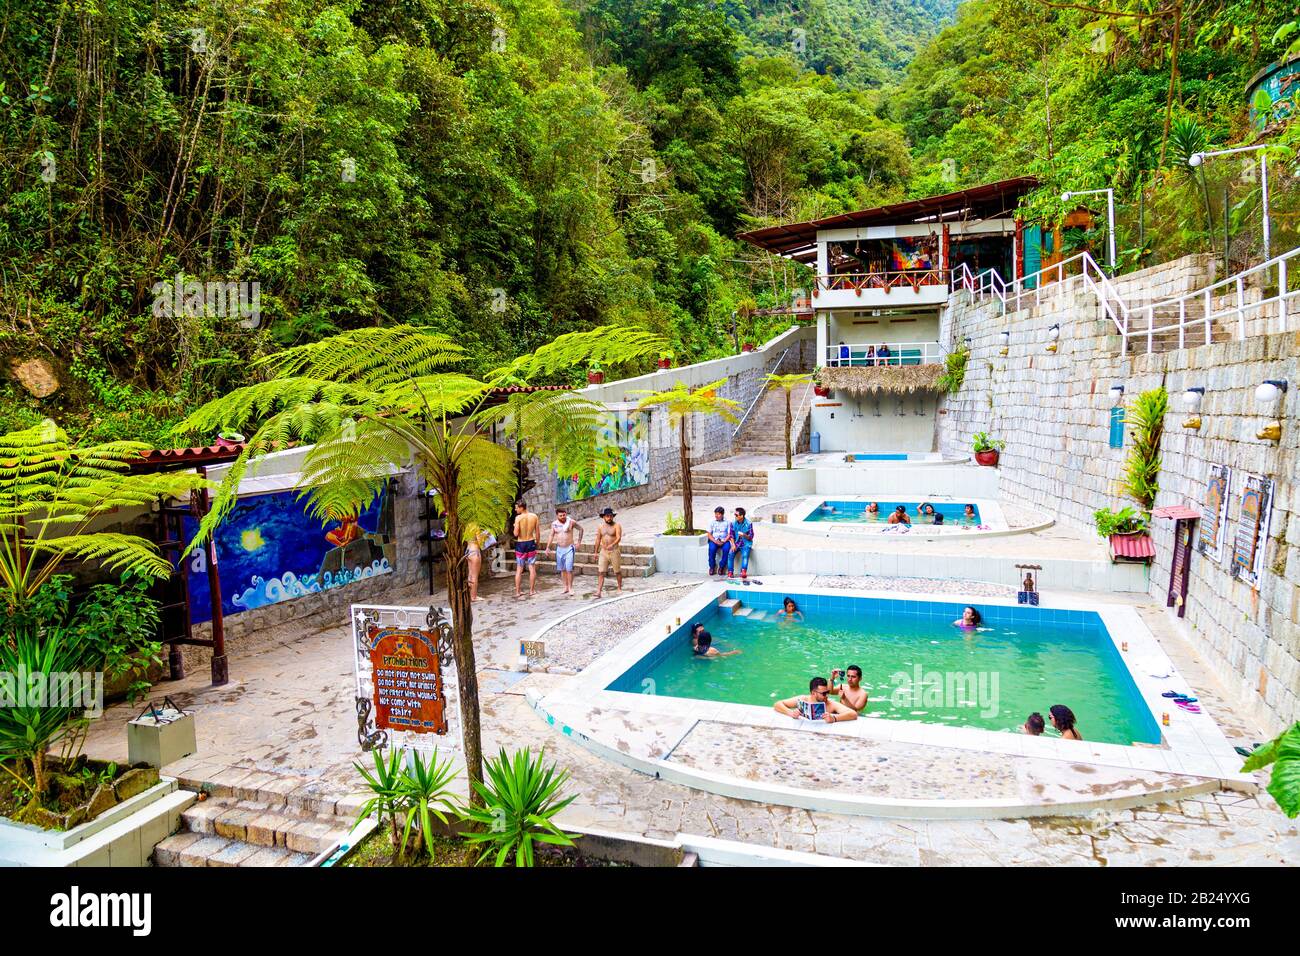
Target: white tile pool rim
[(990, 511), (1195, 745)]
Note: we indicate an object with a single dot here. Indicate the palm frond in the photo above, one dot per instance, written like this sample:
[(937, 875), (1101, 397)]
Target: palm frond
[(608, 344), (121, 553), (376, 357)]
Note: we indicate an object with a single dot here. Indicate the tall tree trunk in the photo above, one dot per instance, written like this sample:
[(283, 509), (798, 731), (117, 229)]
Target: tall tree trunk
[(688, 508), (789, 420), (462, 618), (1173, 79)]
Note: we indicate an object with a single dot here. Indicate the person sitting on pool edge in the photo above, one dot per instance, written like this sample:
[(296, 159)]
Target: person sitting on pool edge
[(1034, 724), (741, 536), (719, 545), (900, 516), (1063, 720), (851, 692), (818, 691), (789, 612), (703, 646), (970, 618)]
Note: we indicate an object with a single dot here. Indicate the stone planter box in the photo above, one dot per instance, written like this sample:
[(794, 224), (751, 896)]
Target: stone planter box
[(792, 483), (123, 835), (677, 553)]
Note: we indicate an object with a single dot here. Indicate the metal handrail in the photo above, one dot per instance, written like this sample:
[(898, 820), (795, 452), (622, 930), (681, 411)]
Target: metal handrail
[(761, 392)]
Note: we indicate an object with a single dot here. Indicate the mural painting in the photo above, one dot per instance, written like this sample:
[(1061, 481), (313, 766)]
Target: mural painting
[(629, 431), (269, 549)]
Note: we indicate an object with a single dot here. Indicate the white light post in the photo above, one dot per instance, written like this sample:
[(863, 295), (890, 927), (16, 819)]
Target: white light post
[(1197, 158), (1110, 218)]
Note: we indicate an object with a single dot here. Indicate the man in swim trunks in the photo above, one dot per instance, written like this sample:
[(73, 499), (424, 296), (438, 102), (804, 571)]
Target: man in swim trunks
[(566, 535), (703, 646), (525, 533), (851, 692), (608, 557), (900, 516)]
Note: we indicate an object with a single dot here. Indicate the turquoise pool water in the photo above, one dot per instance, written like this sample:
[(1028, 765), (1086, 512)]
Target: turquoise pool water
[(916, 665), (855, 512)]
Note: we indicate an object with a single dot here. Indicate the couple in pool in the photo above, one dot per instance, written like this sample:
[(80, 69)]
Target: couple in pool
[(817, 703)]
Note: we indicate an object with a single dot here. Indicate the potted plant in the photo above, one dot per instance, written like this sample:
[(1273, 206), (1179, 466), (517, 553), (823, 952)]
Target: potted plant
[(747, 347), (595, 374), (1124, 521), (820, 390), (666, 359), (987, 448)]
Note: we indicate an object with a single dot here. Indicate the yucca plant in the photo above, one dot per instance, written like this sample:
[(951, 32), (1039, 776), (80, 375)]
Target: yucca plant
[(520, 802), (788, 383), (385, 786), (376, 400), (682, 403), (52, 492), (1146, 416), (417, 792)]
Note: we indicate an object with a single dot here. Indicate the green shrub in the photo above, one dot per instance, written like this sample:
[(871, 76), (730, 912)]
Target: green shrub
[(417, 792), (985, 442), (521, 799), (954, 372), (1283, 752), (1124, 521), (1146, 416)]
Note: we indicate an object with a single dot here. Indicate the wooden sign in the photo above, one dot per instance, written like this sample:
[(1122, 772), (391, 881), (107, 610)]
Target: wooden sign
[(1252, 529), (1214, 512), (407, 677)]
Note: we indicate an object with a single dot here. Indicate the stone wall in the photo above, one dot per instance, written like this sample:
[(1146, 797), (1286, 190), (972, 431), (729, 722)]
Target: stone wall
[(1053, 409)]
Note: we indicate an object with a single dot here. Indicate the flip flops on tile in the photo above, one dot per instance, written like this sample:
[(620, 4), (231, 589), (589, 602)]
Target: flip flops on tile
[(1188, 706)]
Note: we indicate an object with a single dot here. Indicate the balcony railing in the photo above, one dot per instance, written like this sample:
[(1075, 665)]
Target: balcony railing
[(911, 279), (899, 354)]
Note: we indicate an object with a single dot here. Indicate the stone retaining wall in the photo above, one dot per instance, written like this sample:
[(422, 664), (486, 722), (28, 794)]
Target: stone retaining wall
[(1053, 409)]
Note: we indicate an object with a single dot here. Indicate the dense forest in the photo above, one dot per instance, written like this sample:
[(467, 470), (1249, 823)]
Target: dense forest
[(509, 171)]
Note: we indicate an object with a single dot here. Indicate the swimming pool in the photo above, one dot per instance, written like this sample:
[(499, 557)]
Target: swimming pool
[(916, 665), (855, 512)]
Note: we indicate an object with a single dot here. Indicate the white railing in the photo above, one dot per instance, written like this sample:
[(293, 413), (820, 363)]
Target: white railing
[(1191, 315), (762, 391), (864, 354), (885, 281)]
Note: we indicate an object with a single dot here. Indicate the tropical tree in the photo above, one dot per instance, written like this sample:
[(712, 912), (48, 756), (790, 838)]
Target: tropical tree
[(377, 400), (1146, 416), (788, 383), (51, 495), (682, 404)]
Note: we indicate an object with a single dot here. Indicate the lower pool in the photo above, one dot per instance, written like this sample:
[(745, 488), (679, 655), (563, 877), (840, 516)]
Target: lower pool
[(916, 665), (856, 512)]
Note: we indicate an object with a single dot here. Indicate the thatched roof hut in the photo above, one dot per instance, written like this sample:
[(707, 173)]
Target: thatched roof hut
[(891, 380)]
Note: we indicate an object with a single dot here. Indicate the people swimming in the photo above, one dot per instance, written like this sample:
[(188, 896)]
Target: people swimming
[(815, 705), (702, 645), (851, 692), (1034, 724), (970, 618), (925, 510), (873, 510), (790, 612), (968, 513), (899, 516), (1063, 720)]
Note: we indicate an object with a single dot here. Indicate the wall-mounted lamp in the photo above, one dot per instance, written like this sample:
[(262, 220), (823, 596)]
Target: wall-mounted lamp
[(967, 341), (1192, 398), (1268, 396), (1053, 334), (1006, 342), (1116, 394)]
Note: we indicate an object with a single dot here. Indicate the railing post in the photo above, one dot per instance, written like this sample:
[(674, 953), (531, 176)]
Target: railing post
[(1281, 295), (1209, 319), (1182, 323), (1151, 329), (1241, 308)]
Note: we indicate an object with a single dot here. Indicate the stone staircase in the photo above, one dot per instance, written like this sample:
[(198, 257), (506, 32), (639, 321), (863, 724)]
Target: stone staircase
[(638, 561), (711, 483), (762, 431), (238, 827)]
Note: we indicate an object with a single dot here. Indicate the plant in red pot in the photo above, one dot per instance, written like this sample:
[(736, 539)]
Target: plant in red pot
[(666, 359), (819, 389), (747, 347), (987, 448), (595, 374)]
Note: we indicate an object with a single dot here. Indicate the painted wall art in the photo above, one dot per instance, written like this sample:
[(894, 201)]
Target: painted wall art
[(630, 432), (270, 549)]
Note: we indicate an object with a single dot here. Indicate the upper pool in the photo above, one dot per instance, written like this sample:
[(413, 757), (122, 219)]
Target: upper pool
[(856, 512), (916, 665)]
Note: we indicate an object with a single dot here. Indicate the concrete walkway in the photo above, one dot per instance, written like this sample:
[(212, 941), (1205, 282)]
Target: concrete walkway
[(288, 713)]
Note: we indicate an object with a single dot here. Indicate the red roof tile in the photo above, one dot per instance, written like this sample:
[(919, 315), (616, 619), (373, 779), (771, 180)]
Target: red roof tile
[(1176, 512), (157, 459), (1135, 547)]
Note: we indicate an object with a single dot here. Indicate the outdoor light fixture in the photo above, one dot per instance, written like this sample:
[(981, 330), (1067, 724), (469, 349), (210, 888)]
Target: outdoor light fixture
[(1110, 219), (1192, 398), (1006, 342), (1196, 159), (1268, 395), (1116, 394), (1053, 334)]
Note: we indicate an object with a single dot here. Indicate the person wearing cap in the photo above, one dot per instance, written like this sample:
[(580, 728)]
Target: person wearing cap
[(609, 534), (719, 544)]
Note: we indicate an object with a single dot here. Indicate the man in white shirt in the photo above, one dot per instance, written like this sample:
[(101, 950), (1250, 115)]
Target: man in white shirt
[(719, 546)]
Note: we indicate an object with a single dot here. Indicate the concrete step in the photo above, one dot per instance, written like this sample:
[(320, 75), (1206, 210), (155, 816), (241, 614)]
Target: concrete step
[(198, 849), (730, 604), (743, 612), (266, 824), (757, 615)]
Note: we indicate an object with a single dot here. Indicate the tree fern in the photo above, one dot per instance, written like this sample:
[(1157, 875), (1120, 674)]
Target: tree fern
[(374, 401), (788, 383)]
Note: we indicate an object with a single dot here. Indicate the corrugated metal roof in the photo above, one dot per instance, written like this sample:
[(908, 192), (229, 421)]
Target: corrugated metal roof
[(1176, 512), (1133, 547)]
